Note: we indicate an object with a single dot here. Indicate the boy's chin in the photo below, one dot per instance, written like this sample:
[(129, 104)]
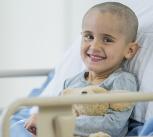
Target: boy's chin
[(95, 70)]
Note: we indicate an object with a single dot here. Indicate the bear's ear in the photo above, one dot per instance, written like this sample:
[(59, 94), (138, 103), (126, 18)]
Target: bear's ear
[(66, 91), (94, 89), (71, 91)]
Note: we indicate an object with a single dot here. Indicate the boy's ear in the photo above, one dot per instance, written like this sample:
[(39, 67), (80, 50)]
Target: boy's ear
[(131, 50)]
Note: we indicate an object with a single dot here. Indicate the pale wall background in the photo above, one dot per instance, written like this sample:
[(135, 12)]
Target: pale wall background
[(34, 34)]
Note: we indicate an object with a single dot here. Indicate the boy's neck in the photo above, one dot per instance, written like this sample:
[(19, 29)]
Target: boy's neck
[(96, 78)]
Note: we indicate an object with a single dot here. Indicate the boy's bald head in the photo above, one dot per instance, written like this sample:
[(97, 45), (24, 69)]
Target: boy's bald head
[(127, 18)]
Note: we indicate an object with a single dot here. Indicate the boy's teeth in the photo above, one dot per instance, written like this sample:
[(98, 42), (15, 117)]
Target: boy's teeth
[(96, 57)]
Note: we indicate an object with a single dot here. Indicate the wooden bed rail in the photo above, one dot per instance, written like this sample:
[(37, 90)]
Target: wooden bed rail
[(56, 111)]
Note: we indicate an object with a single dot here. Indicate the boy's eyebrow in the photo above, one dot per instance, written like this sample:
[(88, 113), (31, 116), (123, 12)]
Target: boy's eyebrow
[(107, 35), (102, 34), (87, 31)]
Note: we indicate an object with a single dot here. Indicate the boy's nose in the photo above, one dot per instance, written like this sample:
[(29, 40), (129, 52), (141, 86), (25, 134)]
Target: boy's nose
[(96, 44)]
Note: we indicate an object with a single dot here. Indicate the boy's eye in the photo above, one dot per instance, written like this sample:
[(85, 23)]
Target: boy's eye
[(107, 40), (88, 37)]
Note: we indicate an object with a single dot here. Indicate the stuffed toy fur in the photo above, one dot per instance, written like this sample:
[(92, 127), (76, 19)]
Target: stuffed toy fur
[(94, 109)]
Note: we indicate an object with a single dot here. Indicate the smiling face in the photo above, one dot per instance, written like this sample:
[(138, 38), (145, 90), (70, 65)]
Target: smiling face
[(104, 44)]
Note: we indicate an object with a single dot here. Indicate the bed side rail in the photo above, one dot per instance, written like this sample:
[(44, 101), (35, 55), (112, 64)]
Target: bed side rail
[(24, 73), (55, 112)]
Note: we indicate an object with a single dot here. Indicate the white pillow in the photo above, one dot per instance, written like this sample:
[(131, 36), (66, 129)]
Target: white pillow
[(147, 85), (70, 65)]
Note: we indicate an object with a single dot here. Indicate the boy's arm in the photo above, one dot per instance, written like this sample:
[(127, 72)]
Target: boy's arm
[(113, 123)]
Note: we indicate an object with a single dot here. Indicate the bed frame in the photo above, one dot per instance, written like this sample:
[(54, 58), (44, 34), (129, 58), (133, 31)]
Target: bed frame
[(55, 117)]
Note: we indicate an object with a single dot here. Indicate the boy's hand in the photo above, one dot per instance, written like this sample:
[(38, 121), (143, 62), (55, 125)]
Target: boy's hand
[(30, 124)]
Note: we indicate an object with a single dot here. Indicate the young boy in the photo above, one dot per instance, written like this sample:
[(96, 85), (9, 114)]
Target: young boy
[(108, 39)]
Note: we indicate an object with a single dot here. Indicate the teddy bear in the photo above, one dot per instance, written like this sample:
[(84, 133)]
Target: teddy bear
[(94, 109)]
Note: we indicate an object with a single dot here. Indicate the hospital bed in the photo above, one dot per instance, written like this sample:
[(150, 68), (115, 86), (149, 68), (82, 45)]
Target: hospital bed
[(141, 65)]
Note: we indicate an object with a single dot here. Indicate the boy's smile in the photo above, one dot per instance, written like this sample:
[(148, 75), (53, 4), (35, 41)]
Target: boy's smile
[(94, 57)]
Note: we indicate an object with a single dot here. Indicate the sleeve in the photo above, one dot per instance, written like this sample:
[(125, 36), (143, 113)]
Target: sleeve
[(114, 123), (125, 81)]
